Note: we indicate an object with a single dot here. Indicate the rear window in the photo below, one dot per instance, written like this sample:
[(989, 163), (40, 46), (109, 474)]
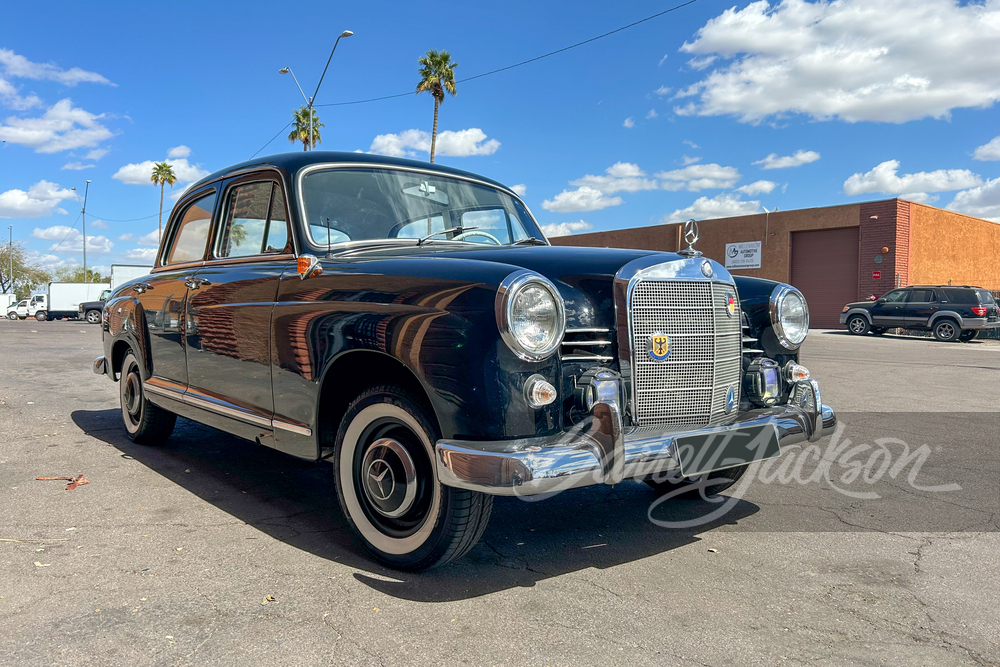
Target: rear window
[(962, 296), (986, 296)]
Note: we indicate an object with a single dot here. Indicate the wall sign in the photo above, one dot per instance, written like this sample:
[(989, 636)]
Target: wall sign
[(876, 275), (744, 255)]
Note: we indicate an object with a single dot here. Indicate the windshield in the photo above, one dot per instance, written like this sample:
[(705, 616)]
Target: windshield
[(359, 204)]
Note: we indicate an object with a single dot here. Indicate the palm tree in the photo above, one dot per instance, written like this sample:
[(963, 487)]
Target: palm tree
[(437, 76), (163, 174), (300, 118)]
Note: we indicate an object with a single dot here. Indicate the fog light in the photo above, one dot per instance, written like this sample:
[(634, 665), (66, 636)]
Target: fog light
[(539, 392), (762, 380), (795, 373)]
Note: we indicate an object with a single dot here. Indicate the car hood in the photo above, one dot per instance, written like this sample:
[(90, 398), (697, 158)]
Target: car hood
[(861, 304)]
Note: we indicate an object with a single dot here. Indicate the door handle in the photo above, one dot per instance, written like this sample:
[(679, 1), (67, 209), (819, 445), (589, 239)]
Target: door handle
[(193, 282), (139, 288)]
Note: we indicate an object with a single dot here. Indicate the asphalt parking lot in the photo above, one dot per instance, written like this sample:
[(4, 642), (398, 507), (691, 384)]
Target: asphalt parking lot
[(211, 550)]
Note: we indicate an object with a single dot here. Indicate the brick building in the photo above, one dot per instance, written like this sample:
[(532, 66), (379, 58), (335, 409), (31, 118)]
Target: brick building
[(838, 254)]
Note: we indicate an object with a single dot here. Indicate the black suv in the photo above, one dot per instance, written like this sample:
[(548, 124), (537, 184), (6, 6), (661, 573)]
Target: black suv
[(951, 312)]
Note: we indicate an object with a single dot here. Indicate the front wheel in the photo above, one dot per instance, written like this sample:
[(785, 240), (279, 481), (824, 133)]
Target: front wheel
[(968, 335), (11, 316), (947, 331), (858, 325), (145, 423), (388, 486), (41, 316), (94, 316)]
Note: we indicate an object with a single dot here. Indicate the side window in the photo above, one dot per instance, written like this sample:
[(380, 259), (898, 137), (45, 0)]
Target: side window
[(897, 296), (192, 232), (255, 221), (921, 296)]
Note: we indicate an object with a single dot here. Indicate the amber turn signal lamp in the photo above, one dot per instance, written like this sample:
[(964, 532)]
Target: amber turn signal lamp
[(308, 265)]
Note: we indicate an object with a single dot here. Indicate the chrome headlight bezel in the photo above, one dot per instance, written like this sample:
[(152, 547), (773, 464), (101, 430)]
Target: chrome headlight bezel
[(509, 288), (777, 301)]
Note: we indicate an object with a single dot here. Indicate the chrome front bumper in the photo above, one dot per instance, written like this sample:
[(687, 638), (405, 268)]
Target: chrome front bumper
[(101, 366), (600, 451)]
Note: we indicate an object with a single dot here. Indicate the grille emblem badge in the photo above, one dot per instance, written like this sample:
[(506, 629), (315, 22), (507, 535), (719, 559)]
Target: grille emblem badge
[(706, 268), (730, 400), (730, 304), (659, 346)]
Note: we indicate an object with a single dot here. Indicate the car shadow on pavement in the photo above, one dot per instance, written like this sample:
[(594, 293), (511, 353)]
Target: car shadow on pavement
[(295, 501)]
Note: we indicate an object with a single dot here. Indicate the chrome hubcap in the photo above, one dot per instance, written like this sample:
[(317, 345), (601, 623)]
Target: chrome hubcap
[(132, 397), (389, 478)]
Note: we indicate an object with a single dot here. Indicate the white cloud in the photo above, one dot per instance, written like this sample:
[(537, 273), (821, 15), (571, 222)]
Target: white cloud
[(685, 160), (151, 239), (629, 122), (581, 199), (40, 200), (96, 154), (70, 239), (883, 178), (179, 151), (723, 205), (62, 127), (698, 177), (662, 91), (139, 173), (662, 60), (690, 143), (565, 228), (651, 114), (919, 197), (461, 143), (11, 97), (621, 177), (77, 166), (521, 189), (988, 151), (796, 159), (98, 224), (757, 188), (20, 67), (49, 262), (855, 60), (145, 254), (126, 237), (982, 201)]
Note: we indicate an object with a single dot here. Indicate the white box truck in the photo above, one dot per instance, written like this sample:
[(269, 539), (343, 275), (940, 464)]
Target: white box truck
[(7, 300), (63, 300)]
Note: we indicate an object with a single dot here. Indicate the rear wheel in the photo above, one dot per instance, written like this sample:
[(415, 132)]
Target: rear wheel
[(41, 316), (858, 325), (94, 316), (968, 335), (388, 486), (145, 423), (711, 482), (947, 331)]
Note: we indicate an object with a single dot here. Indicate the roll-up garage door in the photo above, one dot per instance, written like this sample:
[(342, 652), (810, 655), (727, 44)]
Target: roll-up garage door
[(825, 269)]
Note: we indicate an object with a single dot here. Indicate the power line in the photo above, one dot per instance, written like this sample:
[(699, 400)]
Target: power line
[(523, 62), (272, 139), (70, 231), (101, 217)]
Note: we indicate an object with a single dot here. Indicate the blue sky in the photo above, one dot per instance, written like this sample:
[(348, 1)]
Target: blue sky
[(671, 119)]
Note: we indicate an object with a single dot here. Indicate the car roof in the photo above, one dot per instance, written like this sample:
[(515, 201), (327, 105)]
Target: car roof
[(295, 161), (945, 286)]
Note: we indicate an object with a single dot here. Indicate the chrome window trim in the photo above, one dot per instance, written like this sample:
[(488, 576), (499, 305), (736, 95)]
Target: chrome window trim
[(513, 282), (774, 308), (376, 166)]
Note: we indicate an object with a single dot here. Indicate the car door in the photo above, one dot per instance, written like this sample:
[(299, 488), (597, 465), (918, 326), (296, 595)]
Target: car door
[(920, 307), (889, 311), (231, 299), (164, 292)]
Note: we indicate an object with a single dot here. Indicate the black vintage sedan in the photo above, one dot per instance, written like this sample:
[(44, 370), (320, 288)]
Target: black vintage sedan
[(410, 323)]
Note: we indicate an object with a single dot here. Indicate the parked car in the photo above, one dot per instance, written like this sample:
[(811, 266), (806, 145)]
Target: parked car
[(91, 310), (18, 311), (950, 312), (409, 323)]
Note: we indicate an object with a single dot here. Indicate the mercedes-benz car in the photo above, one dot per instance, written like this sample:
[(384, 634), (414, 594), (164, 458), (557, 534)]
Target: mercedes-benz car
[(410, 323)]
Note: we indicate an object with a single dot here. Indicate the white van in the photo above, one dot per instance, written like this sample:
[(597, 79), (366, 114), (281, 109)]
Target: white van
[(18, 311)]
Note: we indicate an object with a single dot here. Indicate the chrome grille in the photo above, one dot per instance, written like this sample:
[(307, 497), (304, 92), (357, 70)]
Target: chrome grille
[(690, 386)]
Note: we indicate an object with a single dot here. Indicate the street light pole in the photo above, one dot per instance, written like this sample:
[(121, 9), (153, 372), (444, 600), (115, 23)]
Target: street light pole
[(10, 253), (767, 216), (310, 100), (83, 216)]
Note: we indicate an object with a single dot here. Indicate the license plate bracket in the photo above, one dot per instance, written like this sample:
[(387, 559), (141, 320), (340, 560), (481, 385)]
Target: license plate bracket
[(718, 450)]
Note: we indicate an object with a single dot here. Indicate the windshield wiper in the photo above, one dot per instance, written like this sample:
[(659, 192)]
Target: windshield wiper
[(444, 231), (531, 240)]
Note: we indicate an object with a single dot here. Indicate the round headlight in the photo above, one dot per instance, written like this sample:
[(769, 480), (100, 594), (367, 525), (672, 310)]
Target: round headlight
[(789, 316), (530, 315)]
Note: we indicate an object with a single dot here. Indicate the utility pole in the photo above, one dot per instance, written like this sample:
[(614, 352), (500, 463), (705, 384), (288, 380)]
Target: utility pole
[(83, 216), (10, 253)]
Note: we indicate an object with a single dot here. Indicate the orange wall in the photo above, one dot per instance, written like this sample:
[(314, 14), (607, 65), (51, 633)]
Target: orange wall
[(715, 234), (945, 245)]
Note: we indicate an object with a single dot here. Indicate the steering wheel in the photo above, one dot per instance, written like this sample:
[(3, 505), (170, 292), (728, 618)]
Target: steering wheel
[(475, 232)]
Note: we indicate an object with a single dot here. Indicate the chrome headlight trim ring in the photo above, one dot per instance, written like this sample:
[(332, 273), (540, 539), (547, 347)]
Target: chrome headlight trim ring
[(509, 287), (776, 301)]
